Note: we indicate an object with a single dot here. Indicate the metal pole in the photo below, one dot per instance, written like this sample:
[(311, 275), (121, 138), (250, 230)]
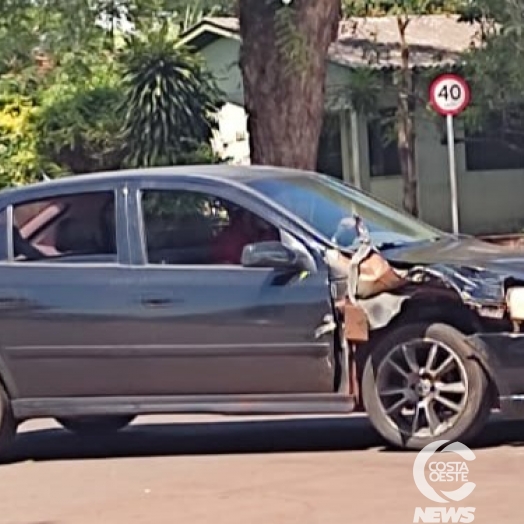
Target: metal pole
[(453, 175)]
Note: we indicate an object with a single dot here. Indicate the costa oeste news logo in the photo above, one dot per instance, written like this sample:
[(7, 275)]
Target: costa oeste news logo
[(431, 469)]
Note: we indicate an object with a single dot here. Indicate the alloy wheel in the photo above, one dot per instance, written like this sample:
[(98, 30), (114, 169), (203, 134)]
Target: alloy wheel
[(423, 387)]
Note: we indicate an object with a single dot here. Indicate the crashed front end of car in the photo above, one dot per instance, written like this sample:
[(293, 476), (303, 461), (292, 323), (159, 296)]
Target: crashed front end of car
[(484, 302)]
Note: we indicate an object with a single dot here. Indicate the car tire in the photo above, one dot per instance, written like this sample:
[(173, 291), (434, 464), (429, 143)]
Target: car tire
[(8, 423), (399, 405), (95, 425)]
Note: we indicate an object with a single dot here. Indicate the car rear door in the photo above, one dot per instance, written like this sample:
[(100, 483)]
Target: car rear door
[(64, 320), (225, 329)]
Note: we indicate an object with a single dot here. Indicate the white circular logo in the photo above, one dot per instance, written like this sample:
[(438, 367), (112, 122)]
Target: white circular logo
[(440, 471), (449, 94)]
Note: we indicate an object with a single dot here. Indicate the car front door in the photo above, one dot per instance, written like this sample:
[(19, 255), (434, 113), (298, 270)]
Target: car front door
[(210, 328)]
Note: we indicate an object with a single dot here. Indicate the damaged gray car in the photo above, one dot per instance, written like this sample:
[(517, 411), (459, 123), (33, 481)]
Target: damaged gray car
[(249, 290)]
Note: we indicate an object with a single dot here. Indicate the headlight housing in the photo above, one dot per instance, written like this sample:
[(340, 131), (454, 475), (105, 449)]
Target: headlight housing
[(515, 301)]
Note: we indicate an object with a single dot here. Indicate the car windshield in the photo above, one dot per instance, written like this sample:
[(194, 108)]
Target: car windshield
[(325, 204)]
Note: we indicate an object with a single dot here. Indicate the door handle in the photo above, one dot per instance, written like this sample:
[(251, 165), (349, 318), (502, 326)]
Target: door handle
[(12, 302), (157, 302)]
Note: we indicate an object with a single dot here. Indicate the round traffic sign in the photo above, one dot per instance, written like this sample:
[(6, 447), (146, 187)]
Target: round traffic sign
[(449, 94)]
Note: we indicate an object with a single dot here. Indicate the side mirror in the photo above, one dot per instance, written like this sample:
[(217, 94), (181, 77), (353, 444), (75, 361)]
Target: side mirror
[(269, 254)]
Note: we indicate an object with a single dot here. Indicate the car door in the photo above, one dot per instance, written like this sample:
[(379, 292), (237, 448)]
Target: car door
[(225, 329), (62, 316)]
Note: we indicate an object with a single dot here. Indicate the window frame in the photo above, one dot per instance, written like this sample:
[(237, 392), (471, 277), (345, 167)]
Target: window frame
[(120, 194), (240, 196)]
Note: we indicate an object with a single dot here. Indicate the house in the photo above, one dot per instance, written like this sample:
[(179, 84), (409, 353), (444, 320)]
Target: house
[(353, 146)]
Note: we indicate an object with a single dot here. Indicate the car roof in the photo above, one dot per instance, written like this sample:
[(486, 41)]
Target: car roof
[(218, 172)]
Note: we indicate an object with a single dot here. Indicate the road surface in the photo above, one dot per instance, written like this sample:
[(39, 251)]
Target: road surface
[(164, 470)]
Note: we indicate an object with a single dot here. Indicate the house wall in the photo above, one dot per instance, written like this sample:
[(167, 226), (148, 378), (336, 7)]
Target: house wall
[(490, 202), (231, 138), (221, 57)]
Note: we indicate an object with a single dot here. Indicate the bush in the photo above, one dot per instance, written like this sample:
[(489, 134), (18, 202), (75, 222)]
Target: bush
[(79, 122), (20, 160)]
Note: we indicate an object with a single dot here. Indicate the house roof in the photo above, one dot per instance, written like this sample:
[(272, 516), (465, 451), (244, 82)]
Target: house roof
[(435, 40)]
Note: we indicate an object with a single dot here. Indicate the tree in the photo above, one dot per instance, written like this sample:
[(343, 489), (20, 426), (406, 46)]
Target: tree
[(496, 71), (208, 7), (283, 62), (170, 100), (66, 84), (408, 97), (79, 121)]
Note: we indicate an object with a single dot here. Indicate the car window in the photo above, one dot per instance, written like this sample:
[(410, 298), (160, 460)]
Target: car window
[(324, 203), (69, 228), (188, 227)]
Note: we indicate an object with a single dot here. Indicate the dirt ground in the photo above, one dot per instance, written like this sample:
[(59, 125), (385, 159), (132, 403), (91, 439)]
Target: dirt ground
[(166, 470)]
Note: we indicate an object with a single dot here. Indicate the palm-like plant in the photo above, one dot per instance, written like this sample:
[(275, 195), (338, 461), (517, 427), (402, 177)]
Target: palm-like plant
[(170, 99)]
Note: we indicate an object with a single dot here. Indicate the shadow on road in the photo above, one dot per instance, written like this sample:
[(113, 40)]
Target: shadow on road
[(221, 437), (250, 436)]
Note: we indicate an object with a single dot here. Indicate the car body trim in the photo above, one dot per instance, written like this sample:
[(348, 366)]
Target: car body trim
[(319, 350), (195, 404)]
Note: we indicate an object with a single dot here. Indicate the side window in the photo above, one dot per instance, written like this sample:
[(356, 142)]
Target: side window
[(188, 227), (70, 228)]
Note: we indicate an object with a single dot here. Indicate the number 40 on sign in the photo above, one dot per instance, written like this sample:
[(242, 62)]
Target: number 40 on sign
[(449, 95)]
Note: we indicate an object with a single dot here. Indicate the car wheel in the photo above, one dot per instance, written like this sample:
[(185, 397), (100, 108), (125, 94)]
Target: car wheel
[(420, 385), (8, 423), (95, 425)]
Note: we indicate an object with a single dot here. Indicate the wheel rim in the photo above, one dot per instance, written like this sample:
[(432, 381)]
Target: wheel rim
[(423, 387)]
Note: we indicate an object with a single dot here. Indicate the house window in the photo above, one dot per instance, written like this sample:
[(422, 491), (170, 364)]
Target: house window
[(383, 144), (329, 159), (494, 148)]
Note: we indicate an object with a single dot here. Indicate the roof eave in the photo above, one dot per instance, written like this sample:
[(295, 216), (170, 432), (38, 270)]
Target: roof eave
[(195, 38), (189, 38)]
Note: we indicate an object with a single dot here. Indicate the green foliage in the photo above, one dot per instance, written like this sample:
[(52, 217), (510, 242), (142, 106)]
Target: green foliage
[(20, 161), (72, 115), (290, 41), (79, 121), (398, 7), (203, 8), (170, 100), (366, 85), (365, 91), (496, 70)]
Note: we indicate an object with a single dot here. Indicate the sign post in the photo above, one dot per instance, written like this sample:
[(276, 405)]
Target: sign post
[(449, 95)]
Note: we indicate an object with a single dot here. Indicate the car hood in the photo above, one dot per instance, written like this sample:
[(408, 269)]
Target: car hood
[(461, 251), (477, 270)]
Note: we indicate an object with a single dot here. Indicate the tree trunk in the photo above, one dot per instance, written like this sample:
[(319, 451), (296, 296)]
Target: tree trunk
[(406, 128), (285, 104)]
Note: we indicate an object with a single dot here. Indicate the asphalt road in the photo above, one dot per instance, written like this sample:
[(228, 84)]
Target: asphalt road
[(228, 471)]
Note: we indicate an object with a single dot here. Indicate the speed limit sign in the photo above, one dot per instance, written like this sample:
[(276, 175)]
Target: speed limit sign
[(449, 94)]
